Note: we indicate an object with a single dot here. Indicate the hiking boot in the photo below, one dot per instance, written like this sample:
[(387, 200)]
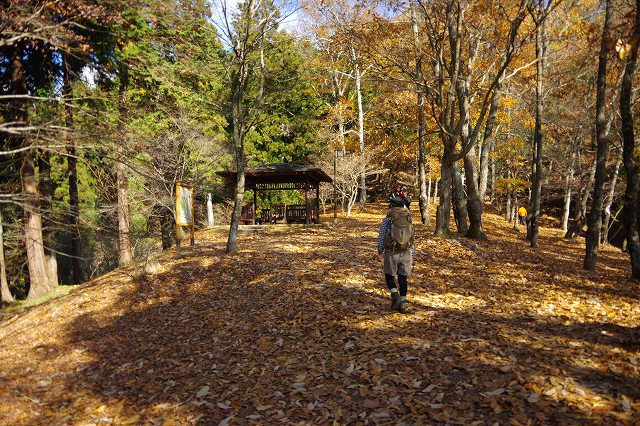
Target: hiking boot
[(402, 306), (395, 300)]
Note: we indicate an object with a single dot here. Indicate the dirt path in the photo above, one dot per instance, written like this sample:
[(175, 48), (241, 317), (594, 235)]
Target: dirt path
[(295, 329)]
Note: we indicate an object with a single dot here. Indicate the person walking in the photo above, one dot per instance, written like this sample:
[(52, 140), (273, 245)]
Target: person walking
[(396, 246), (522, 215)]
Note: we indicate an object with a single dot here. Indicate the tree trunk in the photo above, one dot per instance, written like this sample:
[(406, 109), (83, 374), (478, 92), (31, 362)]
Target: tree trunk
[(353, 197), (568, 183), (459, 202), (566, 206), (423, 199), (122, 178), (39, 282), (580, 214), (363, 175), (435, 190), (594, 222), (341, 129), (514, 215), (238, 82), (474, 202), (508, 205), (124, 224), (443, 211), (73, 220), (493, 181), (5, 293), (232, 241), (606, 222), (48, 236), (167, 226), (534, 210), (630, 156), (487, 144)]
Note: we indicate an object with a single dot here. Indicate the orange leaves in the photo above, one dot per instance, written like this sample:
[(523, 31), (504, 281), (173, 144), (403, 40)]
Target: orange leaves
[(295, 329)]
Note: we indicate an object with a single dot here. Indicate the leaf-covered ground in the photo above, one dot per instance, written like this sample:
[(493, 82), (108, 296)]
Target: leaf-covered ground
[(295, 330)]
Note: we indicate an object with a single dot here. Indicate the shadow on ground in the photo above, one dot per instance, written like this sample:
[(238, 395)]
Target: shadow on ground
[(296, 329)]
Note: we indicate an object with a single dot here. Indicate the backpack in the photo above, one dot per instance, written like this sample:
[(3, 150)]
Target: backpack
[(400, 236)]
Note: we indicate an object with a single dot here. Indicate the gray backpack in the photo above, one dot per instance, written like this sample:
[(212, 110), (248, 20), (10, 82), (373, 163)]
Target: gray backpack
[(400, 236)]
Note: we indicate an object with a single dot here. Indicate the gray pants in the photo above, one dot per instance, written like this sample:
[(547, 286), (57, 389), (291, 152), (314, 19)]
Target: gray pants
[(398, 262)]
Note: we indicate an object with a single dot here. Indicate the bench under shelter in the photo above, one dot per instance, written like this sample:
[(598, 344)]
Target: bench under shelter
[(282, 177)]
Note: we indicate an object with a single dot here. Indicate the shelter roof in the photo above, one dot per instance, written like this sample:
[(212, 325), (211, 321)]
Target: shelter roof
[(280, 173)]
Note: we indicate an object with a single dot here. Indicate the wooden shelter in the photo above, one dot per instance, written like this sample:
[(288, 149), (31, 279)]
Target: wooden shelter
[(280, 177)]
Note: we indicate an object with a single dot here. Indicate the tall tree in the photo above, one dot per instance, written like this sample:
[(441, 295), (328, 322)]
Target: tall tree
[(455, 53), (539, 12), (36, 35), (568, 183), (45, 188), (488, 142), (73, 218), (631, 157), (582, 202), (594, 222), (421, 105), (122, 172), (38, 280), (609, 198), (173, 122), (357, 76), (245, 36)]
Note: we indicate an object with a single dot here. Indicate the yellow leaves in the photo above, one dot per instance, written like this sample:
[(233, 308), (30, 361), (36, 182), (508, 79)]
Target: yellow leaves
[(602, 406), (128, 420), (622, 49), (507, 102)]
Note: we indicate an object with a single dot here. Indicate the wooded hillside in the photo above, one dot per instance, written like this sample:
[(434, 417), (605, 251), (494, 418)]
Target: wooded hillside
[(511, 124), (106, 105)]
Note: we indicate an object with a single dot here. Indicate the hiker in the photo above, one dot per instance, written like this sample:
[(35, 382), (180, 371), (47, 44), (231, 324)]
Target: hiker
[(406, 199), (396, 246), (400, 192), (522, 215)]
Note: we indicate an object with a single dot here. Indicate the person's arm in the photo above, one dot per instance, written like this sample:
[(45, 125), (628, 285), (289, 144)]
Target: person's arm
[(384, 228)]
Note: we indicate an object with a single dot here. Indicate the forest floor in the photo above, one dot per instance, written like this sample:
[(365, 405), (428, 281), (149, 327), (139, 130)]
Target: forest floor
[(295, 329)]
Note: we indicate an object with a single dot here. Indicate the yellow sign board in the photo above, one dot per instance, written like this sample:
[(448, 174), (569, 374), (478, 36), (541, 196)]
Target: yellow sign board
[(185, 214)]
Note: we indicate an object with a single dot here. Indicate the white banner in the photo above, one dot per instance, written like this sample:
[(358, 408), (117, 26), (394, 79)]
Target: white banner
[(209, 210)]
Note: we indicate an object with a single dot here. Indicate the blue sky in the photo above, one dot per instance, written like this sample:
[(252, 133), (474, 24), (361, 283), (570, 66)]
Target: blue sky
[(290, 23)]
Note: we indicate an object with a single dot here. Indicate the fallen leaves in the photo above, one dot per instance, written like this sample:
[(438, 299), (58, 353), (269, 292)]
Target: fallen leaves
[(295, 329), (204, 391)]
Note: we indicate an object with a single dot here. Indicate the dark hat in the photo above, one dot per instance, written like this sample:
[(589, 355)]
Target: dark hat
[(395, 201)]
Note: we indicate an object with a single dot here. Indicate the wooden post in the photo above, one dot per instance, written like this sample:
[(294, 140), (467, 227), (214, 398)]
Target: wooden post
[(177, 188), (193, 217), (253, 209), (306, 204), (317, 209)]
